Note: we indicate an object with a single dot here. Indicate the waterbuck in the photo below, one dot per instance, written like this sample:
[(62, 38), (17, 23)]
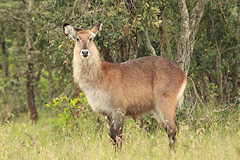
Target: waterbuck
[(116, 90)]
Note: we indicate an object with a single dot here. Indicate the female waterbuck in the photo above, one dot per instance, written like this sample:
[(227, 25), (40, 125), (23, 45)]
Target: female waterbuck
[(115, 90)]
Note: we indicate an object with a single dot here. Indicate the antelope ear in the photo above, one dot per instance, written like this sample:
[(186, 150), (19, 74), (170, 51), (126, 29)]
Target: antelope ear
[(97, 28), (69, 31)]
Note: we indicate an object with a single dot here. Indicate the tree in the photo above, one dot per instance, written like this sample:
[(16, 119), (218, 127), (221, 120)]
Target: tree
[(5, 71), (26, 21), (189, 28), (30, 73)]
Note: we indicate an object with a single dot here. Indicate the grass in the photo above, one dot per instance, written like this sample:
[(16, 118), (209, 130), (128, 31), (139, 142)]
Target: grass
[(51, 139)]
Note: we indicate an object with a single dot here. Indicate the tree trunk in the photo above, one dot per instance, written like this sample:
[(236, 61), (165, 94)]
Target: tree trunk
[(60, 82), (30, 73), (219, 71), (147, 44), (189, 29), (133, 47), (235, 58), (105, 52), (123, 51), (5, 74), (30, 91), (163, 37), (50, 82), (226, 91), (161, 40)]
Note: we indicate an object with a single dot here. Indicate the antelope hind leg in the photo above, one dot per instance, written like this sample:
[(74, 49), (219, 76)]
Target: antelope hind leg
[(169, 123)]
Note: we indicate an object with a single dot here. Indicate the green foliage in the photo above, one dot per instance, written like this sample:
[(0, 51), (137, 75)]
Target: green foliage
[(69, 111), (64, 107), (123, 22)]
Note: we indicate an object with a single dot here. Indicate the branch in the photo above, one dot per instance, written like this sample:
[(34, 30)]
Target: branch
[(39, 72), (162, 25), (190, 113), (85, 14), (184, 19), (237, 23), (217, 111), (230, 48), (195, 90), (220, 110), (60, 83), (73, 9), (196, 16), (223, 13), (147, 43), (12, 15), (28, 135)]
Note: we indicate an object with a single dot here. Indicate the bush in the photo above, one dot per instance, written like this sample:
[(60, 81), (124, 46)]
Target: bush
[(69, 111)]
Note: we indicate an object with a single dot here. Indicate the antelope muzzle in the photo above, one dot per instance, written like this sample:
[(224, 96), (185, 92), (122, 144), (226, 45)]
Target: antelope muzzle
[(85, 53)]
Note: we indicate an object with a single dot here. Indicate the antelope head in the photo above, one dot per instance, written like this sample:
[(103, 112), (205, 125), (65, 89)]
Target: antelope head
[(84, 45)]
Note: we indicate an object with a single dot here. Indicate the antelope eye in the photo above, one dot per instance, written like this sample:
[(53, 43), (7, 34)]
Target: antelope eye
[(78, 39), (90, 39)]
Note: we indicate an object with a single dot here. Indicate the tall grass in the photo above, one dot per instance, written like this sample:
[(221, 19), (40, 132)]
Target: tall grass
[(50, 138)]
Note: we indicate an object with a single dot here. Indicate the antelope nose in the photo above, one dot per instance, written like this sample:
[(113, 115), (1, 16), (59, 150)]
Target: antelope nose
[(85, 53)]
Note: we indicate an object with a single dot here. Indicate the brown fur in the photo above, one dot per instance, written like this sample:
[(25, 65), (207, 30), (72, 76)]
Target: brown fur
[(115, 90)]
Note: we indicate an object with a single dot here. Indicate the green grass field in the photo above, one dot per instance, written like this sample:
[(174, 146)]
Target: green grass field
[(50, 138)]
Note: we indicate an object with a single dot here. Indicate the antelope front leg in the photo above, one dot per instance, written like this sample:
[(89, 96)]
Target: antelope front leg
[(116, 128)]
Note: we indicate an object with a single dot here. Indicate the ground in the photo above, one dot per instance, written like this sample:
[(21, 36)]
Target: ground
[(50, 138)]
